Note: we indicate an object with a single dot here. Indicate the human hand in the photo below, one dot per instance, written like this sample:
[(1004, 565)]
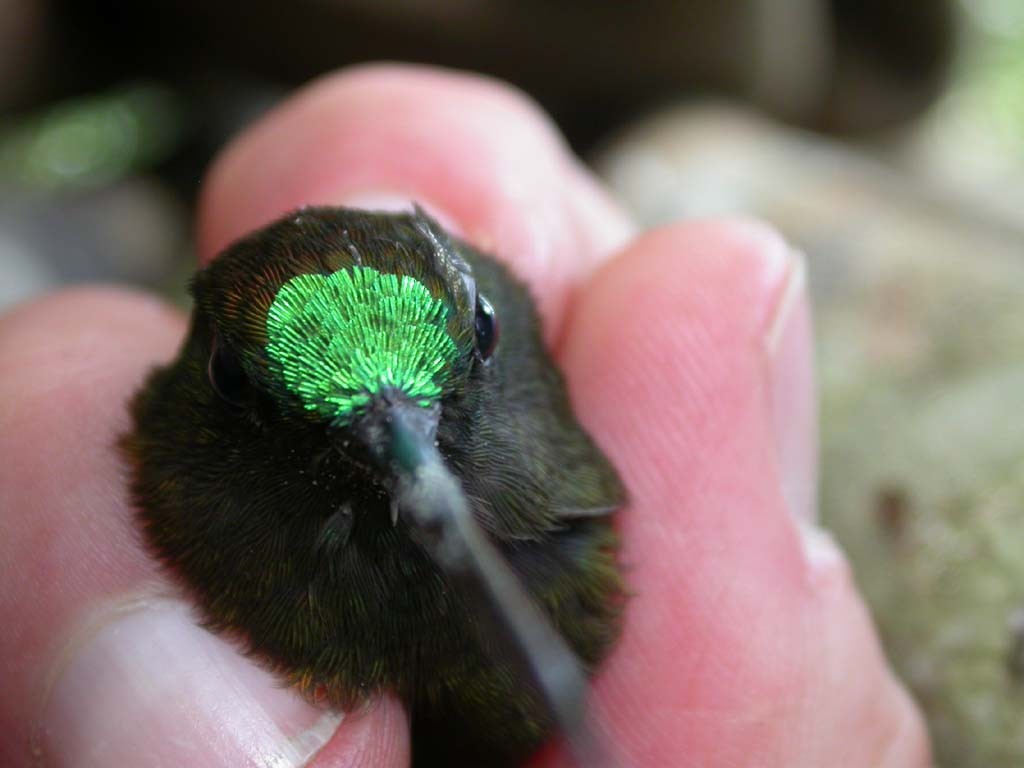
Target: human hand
[(687, 355)]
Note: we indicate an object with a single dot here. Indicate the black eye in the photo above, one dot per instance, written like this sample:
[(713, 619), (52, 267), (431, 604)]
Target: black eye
[(486, 324), (226, 375)]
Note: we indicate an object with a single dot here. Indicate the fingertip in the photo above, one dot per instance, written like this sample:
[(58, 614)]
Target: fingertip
[(673, 333), (376, 737), (478, 152), (366, 130), (64, 317), (673, 320), (745, 625), (70, 362), (143, 684), (872, 720), (99, 339)]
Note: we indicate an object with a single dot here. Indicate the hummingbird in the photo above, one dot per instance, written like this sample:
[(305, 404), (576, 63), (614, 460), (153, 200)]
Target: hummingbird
[(372, 484)]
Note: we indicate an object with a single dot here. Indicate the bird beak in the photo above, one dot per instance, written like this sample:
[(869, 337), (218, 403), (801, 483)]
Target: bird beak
[(399, 433)]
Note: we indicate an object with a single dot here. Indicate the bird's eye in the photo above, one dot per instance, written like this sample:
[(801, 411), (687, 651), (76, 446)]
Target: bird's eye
[(486, 325), (226, 375)]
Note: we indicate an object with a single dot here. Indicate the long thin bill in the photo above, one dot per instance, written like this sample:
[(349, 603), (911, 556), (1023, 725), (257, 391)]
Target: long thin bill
[(433, 502)]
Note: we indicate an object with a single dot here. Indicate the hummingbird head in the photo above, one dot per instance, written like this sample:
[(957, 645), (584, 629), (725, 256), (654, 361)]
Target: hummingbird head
[(345, 325), (340, 460)]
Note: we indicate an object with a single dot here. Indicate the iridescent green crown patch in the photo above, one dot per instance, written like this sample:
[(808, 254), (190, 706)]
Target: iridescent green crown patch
[(341, 338)]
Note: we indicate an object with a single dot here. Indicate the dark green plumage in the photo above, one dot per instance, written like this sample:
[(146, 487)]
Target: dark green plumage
[(281, 524)]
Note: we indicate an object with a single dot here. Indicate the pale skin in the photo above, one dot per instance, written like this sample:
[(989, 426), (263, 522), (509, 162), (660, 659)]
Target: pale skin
[(687, 355)]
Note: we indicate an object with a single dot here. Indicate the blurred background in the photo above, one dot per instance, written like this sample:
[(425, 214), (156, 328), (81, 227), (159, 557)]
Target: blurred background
[(885, 139)]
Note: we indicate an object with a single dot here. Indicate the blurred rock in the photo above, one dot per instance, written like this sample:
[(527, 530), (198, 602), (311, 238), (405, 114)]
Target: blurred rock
[(841, 65), (972, 139), (24, 35), (24, 274), (920, 332), (78, 198), (134, 231)]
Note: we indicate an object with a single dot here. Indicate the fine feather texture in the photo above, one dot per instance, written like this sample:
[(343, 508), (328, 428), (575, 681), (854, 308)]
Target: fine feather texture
[(340, 339), (276, 518)]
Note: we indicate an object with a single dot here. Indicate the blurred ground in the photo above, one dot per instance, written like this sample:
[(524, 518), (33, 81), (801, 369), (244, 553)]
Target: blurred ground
[(110, 110), (885, 139)]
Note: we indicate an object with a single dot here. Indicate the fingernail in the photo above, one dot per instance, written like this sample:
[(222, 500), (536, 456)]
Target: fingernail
[(151, 687), (381, 200), (792, 400), (825, 560)]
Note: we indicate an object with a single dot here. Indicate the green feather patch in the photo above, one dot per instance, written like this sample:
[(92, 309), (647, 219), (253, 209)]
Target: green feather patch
[(339, 339)]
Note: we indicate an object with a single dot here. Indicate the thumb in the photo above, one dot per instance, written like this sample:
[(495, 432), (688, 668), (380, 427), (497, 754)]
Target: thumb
[(102, 663), (150, 687), (745, 641)]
